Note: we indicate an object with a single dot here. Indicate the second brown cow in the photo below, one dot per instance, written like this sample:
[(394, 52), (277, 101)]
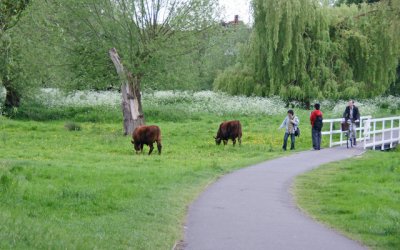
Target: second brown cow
[(229, 130), (146, 135)]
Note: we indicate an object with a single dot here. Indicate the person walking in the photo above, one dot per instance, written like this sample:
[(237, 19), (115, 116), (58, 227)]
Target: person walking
[(290, 123), (316, 118), (352, 114)]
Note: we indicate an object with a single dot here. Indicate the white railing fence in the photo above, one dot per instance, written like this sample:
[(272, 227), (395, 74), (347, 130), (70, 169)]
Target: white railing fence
[(384, 131), (334, 126)]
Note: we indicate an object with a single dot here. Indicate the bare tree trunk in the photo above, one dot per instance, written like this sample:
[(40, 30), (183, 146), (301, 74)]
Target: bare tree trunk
[(12, 96), (131, 99)]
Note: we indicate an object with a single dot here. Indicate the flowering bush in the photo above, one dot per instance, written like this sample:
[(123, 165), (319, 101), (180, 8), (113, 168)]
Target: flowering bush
[(204, 102), (215, 102), (391, 102), (55, 98), (367, 107)]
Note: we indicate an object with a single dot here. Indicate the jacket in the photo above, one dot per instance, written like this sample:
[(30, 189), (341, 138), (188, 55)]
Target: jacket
[(314, 115), (285, 124), (356, 113)]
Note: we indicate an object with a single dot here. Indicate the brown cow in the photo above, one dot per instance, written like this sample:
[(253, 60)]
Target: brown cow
[(229, 130), (146, 135)]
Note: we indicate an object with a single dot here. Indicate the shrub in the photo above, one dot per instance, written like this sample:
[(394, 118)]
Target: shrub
[(72, 126), (237, 80)]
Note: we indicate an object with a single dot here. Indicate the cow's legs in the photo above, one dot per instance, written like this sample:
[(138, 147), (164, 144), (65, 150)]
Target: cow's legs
[(234, 141), (151, 148), (240, 141), (225, 142), (141, 148), (159, 146)]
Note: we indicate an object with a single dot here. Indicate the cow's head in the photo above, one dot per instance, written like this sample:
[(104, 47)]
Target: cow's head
[(136, 146), (217, 140)]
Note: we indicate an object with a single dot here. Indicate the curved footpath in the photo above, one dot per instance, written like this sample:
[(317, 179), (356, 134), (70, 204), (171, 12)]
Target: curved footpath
[(252, 208)]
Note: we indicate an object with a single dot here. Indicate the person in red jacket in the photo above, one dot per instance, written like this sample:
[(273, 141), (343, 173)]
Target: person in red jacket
[(316, 124)]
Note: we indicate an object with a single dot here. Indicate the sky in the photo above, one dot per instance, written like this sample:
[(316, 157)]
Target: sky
[(236, 7)]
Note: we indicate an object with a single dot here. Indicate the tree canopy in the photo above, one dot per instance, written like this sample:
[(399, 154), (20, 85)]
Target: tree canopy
[(304, 50), (10, 13), (298, 49)]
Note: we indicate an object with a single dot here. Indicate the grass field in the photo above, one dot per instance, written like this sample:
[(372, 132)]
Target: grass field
[(87, 189), (359, 197)]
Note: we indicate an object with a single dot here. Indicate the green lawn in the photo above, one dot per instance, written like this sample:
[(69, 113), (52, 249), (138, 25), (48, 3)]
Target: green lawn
[(87, 189), (359, 197)]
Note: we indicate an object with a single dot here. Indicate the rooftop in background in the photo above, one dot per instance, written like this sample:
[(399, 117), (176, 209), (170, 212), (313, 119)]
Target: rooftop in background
[(237, 7), (235, 21)]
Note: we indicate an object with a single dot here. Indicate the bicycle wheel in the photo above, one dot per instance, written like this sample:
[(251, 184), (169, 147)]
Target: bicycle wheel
[(351, 140), (351, 135)]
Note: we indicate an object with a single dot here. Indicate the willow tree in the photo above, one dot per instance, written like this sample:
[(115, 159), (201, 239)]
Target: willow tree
[(292, 38), (10, 13), (306, 50), (369, 37)]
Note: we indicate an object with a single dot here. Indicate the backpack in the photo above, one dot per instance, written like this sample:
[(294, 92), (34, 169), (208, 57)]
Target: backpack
[(297, 131), (318, 123)]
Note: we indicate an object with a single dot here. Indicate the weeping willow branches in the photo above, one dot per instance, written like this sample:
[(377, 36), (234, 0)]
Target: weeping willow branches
[(305, 50)]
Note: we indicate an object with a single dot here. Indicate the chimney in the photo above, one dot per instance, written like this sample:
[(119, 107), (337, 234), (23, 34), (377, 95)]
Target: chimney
[(236, 21)]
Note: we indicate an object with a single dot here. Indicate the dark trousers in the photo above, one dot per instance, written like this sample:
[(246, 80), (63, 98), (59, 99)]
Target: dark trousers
[(316, 138), (285, 139)]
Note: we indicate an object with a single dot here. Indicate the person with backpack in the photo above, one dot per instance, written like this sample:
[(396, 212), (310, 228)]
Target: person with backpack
[(316, 119), (290, 123)]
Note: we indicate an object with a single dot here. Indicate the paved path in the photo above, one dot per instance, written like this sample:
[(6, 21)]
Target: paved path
[(252, 208)]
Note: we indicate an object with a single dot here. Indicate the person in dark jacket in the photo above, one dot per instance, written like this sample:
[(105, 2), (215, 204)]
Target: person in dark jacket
[(316, 126), (353, 114)]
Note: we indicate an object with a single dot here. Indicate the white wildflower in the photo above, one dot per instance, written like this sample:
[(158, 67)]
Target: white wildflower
[(205, 102)]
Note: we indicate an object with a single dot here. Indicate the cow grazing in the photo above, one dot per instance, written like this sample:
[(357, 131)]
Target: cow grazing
[(229, 130), (146, 135)]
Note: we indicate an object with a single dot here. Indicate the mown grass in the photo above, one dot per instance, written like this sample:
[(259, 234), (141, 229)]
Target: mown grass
[(359, 197), (85, 189)]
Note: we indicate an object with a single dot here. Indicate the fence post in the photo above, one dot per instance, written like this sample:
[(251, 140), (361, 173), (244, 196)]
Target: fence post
[(330, 133), (398, 134), (341, 134), (373, 139), (365, 135), (391, 132), (383, 135), (360, 130)]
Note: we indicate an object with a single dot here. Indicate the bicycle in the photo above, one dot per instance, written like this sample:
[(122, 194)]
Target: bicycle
[(347, 127)]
